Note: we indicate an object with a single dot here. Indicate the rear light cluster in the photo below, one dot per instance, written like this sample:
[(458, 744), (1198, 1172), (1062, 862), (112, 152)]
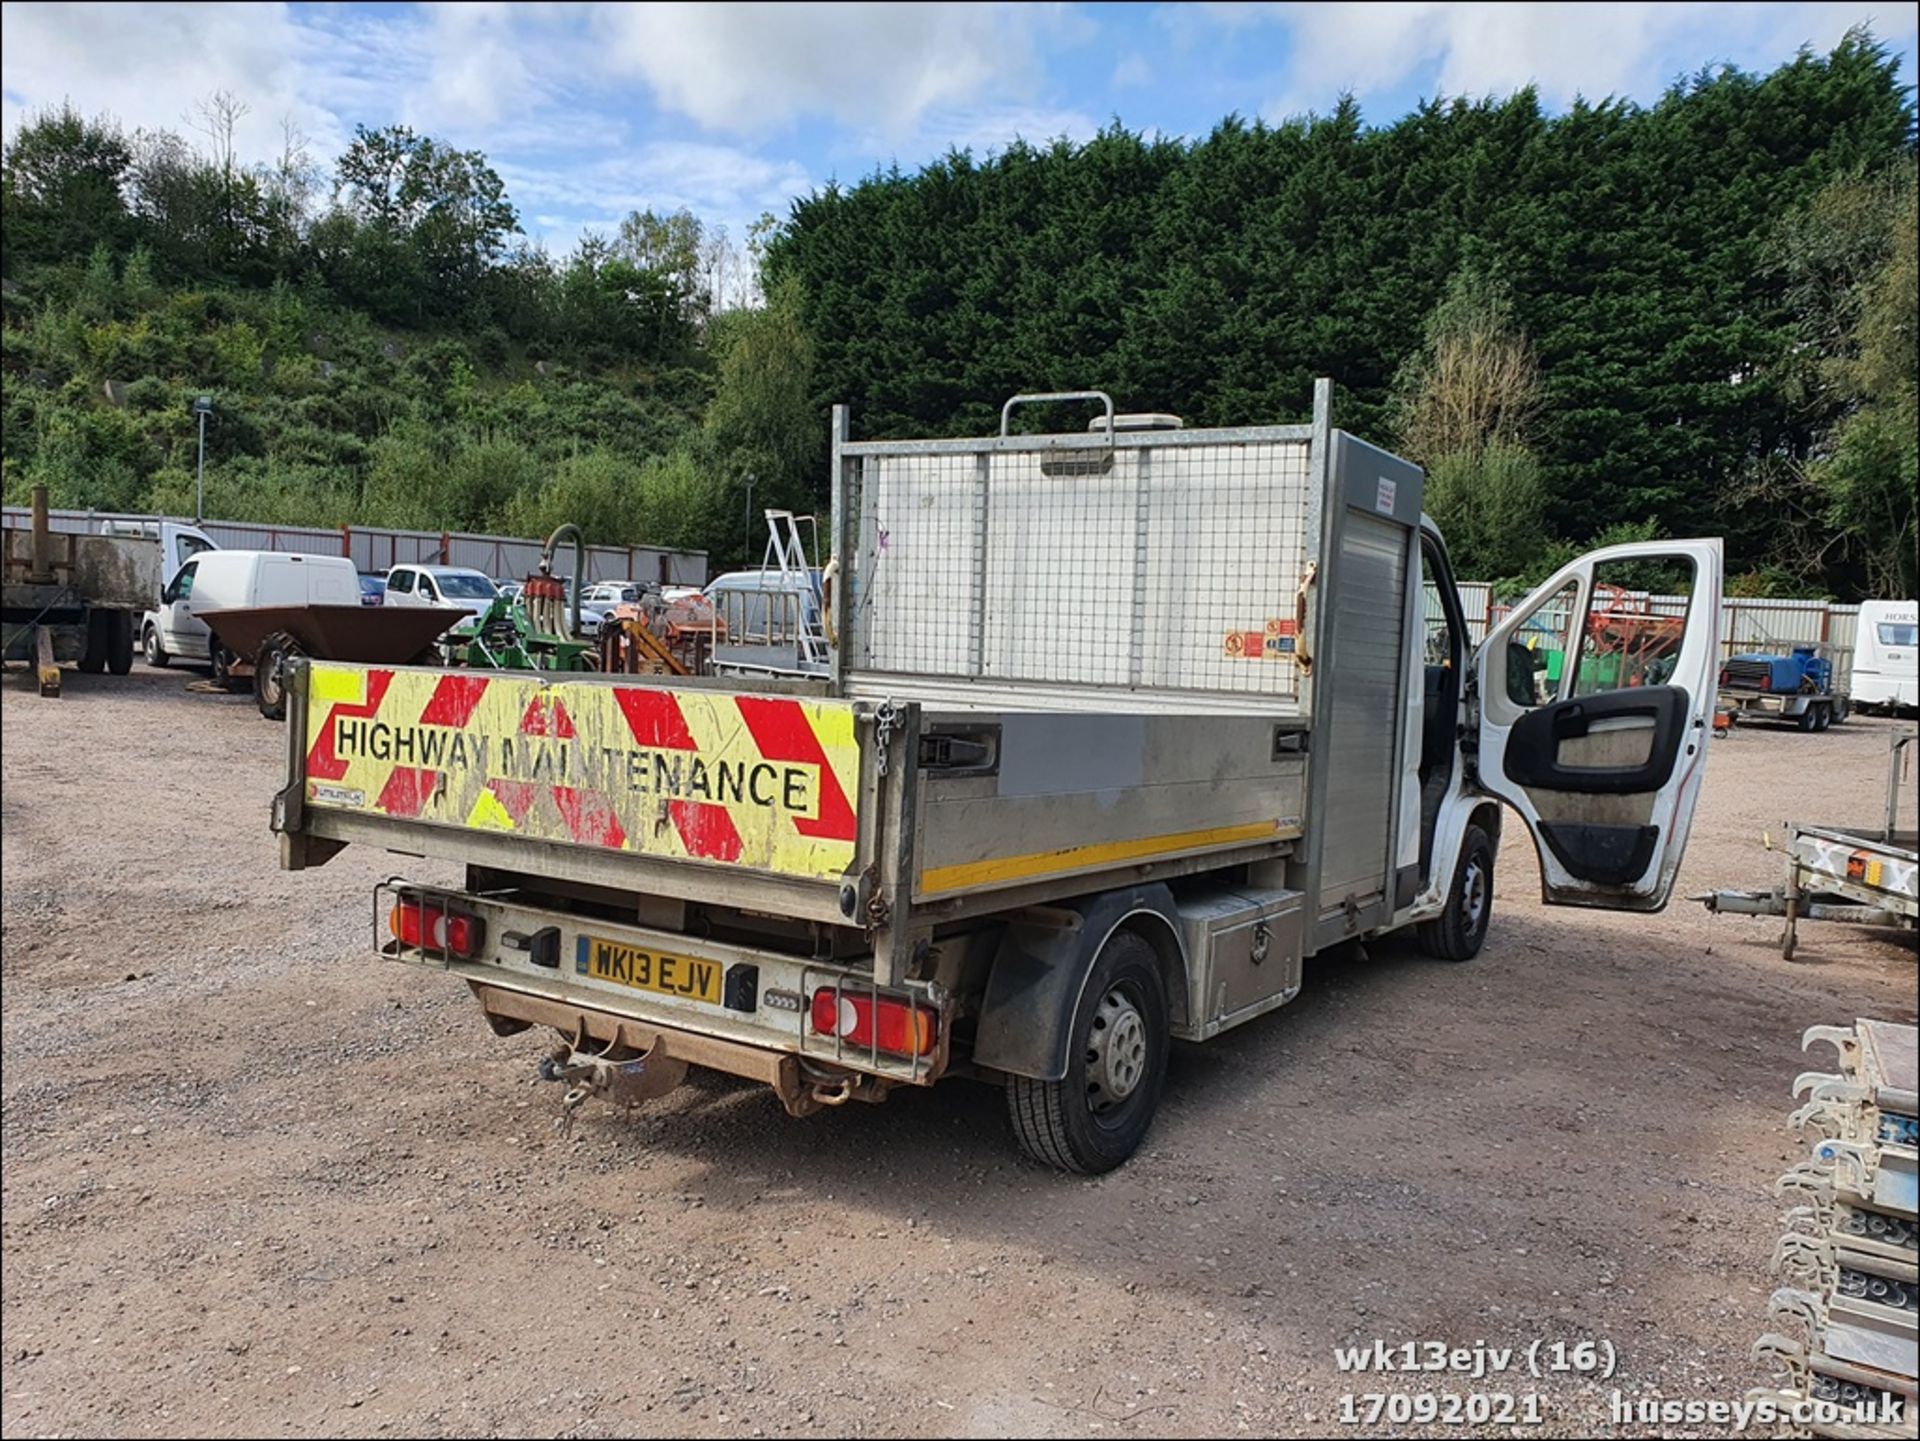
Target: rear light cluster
[(877, 1022), (427, 926)]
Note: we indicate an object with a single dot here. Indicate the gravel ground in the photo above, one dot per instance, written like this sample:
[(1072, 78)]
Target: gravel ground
[(257, 1183)]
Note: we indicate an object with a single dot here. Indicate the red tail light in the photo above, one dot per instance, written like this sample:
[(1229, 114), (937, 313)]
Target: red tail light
[(1766, 680), (859, 1019), (429, 927), (1723, 675)]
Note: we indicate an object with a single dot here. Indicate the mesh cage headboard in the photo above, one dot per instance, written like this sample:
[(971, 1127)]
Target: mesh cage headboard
[(1165, 561)]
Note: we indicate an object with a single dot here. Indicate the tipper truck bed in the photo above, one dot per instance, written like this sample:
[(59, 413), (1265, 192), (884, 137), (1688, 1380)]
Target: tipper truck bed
[(1120, 726)]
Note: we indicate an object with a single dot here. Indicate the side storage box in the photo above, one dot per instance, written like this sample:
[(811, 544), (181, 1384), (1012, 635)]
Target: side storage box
[(1243, 955)]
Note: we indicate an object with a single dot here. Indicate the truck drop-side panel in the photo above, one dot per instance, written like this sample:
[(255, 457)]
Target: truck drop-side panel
[(832, 811), (765, 783), (1068, 795)]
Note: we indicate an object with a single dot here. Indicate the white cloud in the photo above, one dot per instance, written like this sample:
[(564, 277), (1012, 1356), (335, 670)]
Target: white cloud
[(722, 184), (1131, 72), (1631, 49), (151, 64), (980, 128), (503, 79), (749, 68)]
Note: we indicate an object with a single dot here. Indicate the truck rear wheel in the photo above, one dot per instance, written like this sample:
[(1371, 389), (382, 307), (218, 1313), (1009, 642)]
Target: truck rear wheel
[(119, 642), (1458, 932), (93, 659), (1810, 719), (1096, 1116)]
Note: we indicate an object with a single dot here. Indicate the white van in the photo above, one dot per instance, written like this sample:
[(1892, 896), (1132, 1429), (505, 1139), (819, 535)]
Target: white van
[(769, 623), (1886, 656), (179, 542), (236, 580)]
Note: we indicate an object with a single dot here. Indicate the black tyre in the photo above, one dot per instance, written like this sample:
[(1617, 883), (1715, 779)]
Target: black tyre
[(1825, 718), (1810, 719), (93, 659), (157, 656), (220, 661), (119, 642), (1096, 1116), (1458, 932), (1842, 708), (270, 674)]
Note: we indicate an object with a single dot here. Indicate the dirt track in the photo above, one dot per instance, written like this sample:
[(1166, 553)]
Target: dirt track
[(257, 1183)]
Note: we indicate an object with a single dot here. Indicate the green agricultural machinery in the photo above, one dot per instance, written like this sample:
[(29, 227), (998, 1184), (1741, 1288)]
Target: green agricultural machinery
[(539, 629)]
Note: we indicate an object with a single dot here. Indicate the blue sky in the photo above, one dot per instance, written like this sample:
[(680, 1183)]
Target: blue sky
[(591, 111)]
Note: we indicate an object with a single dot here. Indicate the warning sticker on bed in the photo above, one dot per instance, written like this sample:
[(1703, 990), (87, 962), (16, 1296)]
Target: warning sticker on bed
[(1273, 642), (1383, 499)]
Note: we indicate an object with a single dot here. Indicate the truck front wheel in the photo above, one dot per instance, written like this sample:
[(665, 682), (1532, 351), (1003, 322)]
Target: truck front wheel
[(1458, 932), (1096, 1116)]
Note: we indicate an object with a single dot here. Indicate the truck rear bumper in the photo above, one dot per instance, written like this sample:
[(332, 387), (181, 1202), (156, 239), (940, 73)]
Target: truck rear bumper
[(800, 1091), (538, 966)]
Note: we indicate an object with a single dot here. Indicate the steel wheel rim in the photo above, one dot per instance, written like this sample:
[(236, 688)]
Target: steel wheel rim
[(1473, 895), (1116, 1052)]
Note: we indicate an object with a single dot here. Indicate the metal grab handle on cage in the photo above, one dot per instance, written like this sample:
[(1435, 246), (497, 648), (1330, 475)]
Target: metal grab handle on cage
[(1302, 655), (827, 578), (1006, 411)]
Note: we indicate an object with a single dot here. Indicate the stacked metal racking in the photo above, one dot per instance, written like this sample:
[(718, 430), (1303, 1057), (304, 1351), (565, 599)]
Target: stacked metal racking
[(1849, 1249)]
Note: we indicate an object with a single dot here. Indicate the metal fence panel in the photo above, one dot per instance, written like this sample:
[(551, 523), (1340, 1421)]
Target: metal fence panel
[(293, 539), (375, 549)]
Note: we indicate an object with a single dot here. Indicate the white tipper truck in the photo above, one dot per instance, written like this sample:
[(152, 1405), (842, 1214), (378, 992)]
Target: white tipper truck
[(1120, 726)]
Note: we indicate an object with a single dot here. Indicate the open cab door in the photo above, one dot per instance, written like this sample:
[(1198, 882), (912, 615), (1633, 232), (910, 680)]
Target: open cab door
[(1593, 704)]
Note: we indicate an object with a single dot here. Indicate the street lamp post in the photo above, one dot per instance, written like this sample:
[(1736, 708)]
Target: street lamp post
[(746, 551), (202, 407)]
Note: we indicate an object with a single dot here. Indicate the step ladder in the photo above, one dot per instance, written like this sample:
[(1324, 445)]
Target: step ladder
[(787, 551)]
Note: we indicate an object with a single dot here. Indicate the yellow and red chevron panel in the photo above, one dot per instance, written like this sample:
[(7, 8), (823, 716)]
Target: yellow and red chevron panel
[(766, 782)]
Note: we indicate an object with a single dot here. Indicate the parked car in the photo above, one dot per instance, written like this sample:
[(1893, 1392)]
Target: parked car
[(593, 614), (507, 589), (373, 590), (608, 593), (237, 580), (453, 585)]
